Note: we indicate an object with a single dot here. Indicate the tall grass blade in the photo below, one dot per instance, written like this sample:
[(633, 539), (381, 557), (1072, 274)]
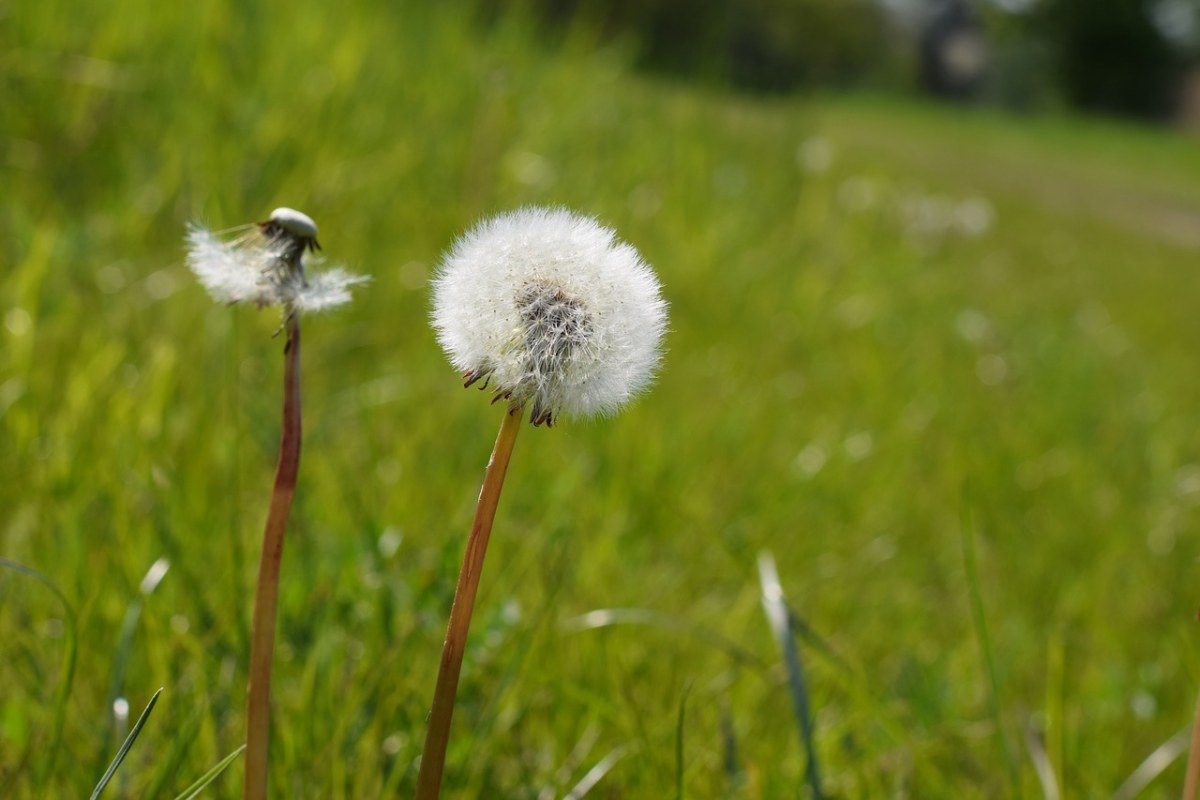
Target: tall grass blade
[(596, 774), (1162, 757), (63, 692), (679, 742), (129, 623), (584, 746), (816, 641), (129, 740), (778, 616), (204, 780), (174, 753), (1041, 764), (729, 754), (979, 618)]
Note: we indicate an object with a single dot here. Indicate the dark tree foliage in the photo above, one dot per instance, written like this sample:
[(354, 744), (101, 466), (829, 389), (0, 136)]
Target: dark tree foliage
[(758, 44), (1109, 57), (782, 44), (952, 53)]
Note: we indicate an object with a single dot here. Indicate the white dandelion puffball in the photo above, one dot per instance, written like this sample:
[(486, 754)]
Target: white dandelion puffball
[(548, 308), (264, 263)]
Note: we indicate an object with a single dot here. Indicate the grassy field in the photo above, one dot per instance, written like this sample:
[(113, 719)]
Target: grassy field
[(941, 365)]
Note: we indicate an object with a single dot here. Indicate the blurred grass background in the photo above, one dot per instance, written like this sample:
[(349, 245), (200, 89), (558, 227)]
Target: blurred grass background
[(889, 321)]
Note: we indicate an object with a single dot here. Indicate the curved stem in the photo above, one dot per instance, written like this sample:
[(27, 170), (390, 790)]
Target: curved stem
[(433, 758), (262, 637)]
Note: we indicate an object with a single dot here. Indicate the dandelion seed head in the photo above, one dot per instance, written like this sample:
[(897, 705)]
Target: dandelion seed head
[(265, 263), (549, 309)]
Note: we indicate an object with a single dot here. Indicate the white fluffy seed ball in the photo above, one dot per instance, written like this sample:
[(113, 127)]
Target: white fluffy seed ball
[(551, 310)]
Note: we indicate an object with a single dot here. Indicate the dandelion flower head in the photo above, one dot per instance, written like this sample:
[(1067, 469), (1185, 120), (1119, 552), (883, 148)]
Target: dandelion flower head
[(550, 309), (264, 263)]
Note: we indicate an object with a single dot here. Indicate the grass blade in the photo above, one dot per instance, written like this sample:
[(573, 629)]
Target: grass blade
[(1041, 763), (778, 616), (125, 635), (1163, 756), (608, 617), (679, 742), (572, 762), (985, 645), (595, 774), (171, 756), (729, 756), (816, 641), (129, 740), (204, 780), (68, 666)]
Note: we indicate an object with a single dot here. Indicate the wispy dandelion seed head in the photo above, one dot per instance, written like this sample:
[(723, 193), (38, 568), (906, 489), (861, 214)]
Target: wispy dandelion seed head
[(264, 263), (548, 309)]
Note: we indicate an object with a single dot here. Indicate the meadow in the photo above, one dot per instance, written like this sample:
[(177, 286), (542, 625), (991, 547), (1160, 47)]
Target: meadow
[(940, 364)]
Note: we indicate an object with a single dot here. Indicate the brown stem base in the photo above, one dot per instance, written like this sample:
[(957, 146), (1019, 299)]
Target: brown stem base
[(262, 641), (1191, 786), (433, 758)]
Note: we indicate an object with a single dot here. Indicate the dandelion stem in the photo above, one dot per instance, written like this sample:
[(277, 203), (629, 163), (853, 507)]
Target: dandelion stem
[(433, 759), (262, 641), (1191, 786)]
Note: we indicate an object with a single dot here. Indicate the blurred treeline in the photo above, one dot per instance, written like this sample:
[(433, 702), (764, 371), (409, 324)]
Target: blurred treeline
[(1126, 57)]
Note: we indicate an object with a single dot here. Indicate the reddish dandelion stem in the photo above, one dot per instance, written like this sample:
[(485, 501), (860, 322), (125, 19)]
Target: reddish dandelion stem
[(262, 642), (433, 758), (1191, 786)]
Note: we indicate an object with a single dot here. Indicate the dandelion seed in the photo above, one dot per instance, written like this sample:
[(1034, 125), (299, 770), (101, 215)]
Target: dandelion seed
[(265, 264), (547, 308)]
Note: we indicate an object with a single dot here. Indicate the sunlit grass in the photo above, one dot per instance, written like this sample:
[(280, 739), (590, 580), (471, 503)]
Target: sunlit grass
[(846, 379)]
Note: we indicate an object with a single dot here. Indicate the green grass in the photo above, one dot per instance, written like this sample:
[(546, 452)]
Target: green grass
[(842, 388)]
